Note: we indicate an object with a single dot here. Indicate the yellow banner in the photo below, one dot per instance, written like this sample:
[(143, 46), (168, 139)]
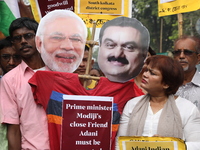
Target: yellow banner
[(177, 6), (109, 9), (149, 143), (35, 10), (106, 8), (113, 7)]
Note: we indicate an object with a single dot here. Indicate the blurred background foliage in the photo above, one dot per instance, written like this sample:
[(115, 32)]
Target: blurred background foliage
[(147, 12)]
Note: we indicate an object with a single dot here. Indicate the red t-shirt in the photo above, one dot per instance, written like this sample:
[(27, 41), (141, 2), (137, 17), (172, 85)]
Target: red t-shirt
[(48, 86)]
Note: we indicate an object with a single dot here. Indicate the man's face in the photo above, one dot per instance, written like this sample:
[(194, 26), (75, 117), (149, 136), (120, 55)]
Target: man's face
[(9, 59), (120, 56), (62, 45), (24, 42), (187, 60), (82, 67)]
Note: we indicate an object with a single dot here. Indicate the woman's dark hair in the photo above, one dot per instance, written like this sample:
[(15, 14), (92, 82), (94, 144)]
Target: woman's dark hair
[(99, 70), (151, 51), (171, 70)]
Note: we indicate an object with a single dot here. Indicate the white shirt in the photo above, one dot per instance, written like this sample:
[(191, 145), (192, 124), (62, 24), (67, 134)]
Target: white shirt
[(151, 123), (190, 121), (191, 90)]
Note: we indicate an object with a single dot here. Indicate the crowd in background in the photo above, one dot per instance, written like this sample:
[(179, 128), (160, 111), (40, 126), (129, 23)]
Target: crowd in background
[(166, 101)]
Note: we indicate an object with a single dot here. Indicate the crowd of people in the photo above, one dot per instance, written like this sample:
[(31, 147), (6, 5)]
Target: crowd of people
[(154, 95)]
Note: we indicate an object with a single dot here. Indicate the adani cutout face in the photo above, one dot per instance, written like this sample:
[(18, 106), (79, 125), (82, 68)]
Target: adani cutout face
[(123, 48)]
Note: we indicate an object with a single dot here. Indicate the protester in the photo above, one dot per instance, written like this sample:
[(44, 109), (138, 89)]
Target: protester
[(159, 112), (123, 48), (81, 70), (187, 52), (82, 67), (9, 57), (49, 86), (138, 78), (27, 123), (96, 72), (60, 38)]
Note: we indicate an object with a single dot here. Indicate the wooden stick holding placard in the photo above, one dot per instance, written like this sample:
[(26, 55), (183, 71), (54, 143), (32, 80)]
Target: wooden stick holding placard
[(91, 44), (180, 25)]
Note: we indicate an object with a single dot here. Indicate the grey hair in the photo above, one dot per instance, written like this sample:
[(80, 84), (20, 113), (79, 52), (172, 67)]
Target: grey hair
[(59, 13)]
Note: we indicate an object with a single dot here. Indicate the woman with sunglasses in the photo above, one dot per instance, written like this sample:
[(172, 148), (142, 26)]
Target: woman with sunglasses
[(159, 112)]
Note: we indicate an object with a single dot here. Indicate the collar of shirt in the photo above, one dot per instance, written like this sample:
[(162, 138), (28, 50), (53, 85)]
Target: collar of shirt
[(196, 78)]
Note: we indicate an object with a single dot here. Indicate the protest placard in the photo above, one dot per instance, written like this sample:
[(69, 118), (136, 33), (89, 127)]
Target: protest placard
[(171, 7), (41, 7), (86, 122), (150, 143)]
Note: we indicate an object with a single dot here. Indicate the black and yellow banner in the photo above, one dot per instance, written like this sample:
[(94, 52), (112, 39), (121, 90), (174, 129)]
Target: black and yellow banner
[(171, 7), (99, 11), (150, 143), (102, 11)]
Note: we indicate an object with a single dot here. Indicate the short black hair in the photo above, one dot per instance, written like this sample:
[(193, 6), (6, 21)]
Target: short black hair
[(151, 51), (6, 42), (21, 23), (87, 48)]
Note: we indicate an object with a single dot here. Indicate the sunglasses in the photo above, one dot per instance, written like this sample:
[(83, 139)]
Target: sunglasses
[(185, 51), (27, 36), (7, 57)]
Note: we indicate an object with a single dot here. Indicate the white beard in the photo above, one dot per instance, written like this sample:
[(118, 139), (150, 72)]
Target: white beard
[(54, 66), (186, 68)]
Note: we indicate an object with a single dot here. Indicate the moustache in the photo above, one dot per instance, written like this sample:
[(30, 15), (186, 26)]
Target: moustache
[(64, 52), (25, 46), (183, 61), (122, 60)]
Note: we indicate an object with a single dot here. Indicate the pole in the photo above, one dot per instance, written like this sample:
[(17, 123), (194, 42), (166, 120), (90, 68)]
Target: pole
[(180, 25), (161, 34), (90, 55)]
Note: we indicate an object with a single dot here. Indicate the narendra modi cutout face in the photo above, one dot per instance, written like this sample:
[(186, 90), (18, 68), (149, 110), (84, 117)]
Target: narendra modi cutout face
[(62, 41)]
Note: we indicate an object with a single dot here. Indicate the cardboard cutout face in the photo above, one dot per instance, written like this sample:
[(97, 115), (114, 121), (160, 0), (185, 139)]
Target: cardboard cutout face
[(123, 48), (60, 39)]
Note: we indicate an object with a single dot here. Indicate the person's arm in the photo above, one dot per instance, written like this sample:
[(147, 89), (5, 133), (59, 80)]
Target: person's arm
[(14, 137), (122, 131), (124, 119), (192, 130)]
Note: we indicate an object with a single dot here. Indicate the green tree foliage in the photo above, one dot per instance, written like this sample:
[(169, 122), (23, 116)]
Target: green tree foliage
[(147, 12), (190, 20), (95, 53)]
